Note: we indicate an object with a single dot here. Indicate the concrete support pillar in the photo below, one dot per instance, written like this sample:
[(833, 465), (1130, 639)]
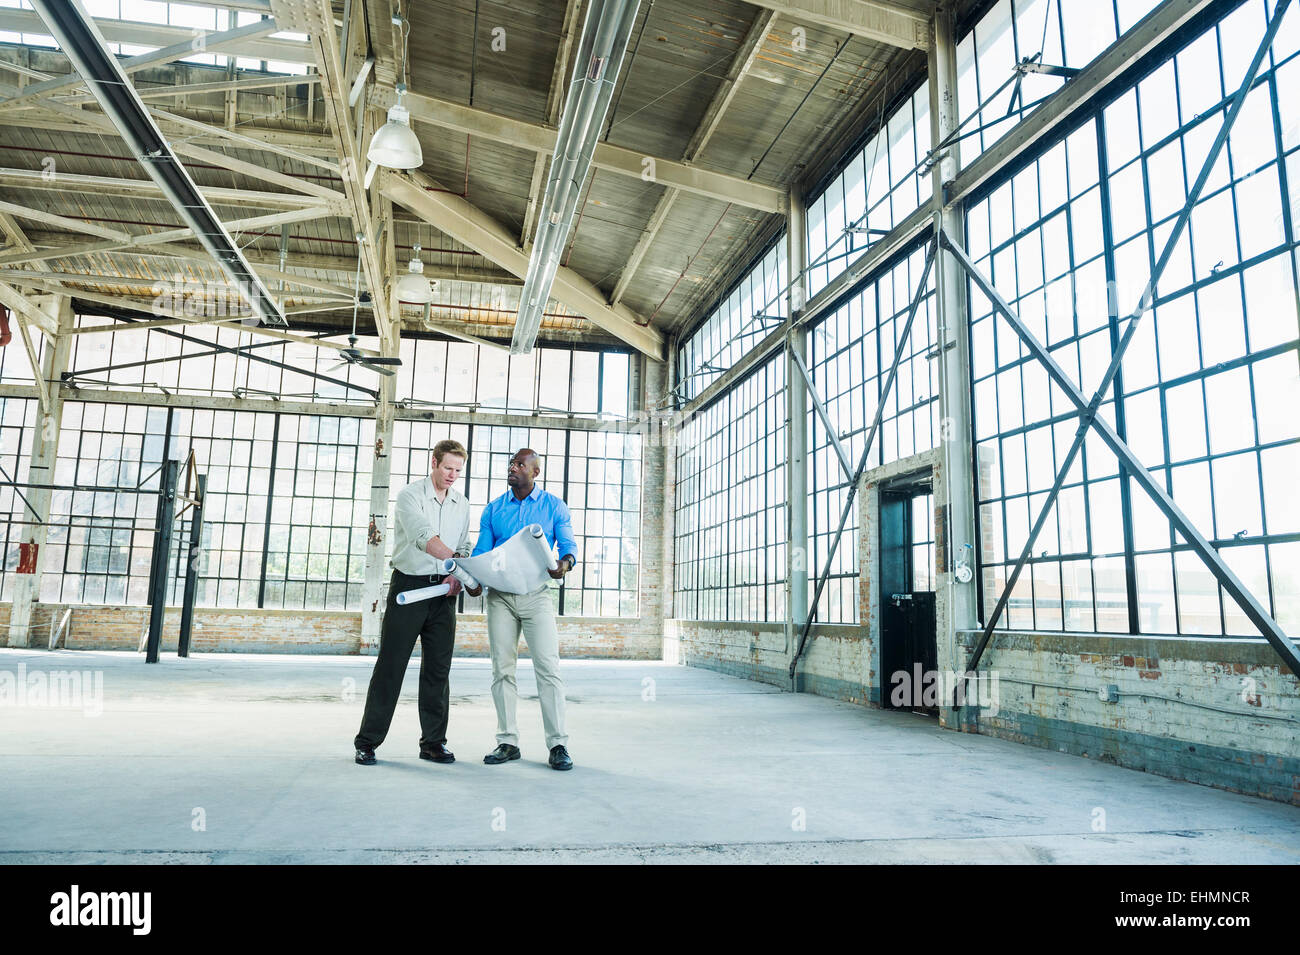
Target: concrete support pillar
[(956, 523), (375, 592), (45, 448), (796, 445), (654, 579)]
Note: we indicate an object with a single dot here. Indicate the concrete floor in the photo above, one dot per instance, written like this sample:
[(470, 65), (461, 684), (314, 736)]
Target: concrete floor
[(673, 764)]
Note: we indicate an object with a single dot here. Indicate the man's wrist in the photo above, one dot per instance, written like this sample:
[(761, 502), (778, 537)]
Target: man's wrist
[(572, 561)]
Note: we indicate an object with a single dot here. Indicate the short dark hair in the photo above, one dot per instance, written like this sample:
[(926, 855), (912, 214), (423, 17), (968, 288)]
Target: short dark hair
[(448, 447)]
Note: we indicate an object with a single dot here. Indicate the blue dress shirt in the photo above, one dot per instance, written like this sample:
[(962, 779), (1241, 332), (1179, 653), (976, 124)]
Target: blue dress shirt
[(506, 516)]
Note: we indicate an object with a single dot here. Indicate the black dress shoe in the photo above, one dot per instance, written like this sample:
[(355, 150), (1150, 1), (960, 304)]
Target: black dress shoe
[(437, 753), (502, 754), (366, 755), (560, 758)]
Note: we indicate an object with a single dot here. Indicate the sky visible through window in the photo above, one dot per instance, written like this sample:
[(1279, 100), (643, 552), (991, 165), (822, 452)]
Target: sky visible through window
[(194, 17)]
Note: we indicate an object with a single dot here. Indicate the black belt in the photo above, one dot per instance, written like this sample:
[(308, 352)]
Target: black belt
[(422, 579)]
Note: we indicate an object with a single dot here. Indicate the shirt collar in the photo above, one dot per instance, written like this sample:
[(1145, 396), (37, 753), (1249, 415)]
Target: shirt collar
[(533, 495), (431, 492)]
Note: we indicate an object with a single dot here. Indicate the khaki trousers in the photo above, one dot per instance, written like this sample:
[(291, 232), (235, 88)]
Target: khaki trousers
[(534, 613)]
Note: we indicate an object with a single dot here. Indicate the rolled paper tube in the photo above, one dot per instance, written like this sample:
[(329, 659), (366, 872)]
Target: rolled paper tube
[(449, 566), (423, 593), (536, 531)]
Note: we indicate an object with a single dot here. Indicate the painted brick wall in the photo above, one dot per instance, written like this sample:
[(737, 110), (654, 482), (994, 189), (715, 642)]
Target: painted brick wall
[(835, 662), (1170, 718), (96, 627)]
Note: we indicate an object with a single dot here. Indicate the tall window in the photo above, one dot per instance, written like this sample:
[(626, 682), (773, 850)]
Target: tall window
[(850, 351), (736, 324), (15, 367), (1062, 33), (550, 379), (879, 186), (203, 361), (288, 505), (1207, 389), (319, 513), (730, 504), (99, 543)]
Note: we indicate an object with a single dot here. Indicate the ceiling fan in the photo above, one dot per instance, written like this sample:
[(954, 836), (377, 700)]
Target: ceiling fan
[(353, 355)]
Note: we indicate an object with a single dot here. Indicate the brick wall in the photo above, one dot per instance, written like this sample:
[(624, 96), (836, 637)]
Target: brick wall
[(1170, 718), (96, 627), (837, 661)]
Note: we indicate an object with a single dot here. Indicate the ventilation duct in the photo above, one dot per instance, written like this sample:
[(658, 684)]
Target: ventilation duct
[(595, 72)]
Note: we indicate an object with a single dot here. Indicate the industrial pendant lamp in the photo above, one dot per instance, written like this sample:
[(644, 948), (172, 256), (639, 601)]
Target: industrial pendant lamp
[(413, 286), (395, 145)]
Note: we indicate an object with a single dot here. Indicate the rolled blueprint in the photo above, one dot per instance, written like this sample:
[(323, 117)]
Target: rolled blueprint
[(423, 593), (449, 566), (536, 531), (516, 566)]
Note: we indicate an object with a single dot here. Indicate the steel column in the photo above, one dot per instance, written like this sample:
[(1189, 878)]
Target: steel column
[(796, 435), (162, 551), (157, 522), (796, 451), (959, 609), (193, 557), (270, 503)]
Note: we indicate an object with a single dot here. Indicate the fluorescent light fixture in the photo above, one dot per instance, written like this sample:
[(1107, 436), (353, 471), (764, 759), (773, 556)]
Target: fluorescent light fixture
[(600, 55)]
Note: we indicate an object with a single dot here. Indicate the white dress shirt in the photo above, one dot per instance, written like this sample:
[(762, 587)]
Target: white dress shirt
[(418, 516)]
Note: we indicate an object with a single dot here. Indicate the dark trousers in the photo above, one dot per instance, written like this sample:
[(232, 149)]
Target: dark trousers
[(434, 622)]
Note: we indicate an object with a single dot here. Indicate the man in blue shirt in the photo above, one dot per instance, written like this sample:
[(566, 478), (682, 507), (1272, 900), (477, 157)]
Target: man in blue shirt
[(526, 503)]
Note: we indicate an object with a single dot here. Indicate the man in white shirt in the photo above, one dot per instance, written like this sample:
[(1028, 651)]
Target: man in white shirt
[(431, 523)]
